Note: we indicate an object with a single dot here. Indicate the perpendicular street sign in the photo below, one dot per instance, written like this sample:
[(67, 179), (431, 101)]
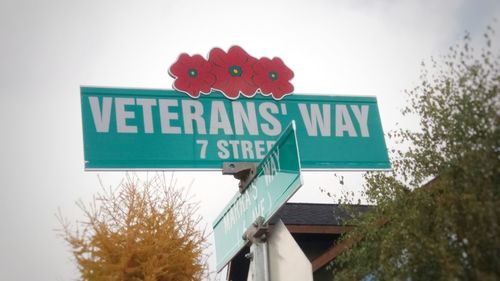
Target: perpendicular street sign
[(278, 178), (127, 129)]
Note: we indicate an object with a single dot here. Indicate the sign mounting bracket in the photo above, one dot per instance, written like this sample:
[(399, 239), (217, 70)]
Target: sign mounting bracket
[(256, 233), (245, 172)]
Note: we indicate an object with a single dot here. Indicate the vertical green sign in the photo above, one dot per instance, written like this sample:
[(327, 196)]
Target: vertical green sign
[(278, 178)]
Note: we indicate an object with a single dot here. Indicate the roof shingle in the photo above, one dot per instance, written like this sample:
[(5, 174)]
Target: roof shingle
[(316, 214)]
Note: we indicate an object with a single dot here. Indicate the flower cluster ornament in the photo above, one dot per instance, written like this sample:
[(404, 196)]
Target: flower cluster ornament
[(232, 73)]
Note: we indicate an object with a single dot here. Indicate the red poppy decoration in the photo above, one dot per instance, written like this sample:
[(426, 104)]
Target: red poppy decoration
[(192, 75), (233, 71), (273, 77)]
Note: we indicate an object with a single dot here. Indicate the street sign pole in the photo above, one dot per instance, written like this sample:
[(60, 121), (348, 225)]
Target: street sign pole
[(272, 255), (259, 250)]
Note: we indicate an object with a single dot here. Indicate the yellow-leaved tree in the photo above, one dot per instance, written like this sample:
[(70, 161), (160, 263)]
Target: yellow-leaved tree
[(141, 230)]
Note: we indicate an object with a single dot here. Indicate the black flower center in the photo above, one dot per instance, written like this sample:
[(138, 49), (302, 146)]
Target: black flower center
[(273, 75), (193, 73), (235, 71)]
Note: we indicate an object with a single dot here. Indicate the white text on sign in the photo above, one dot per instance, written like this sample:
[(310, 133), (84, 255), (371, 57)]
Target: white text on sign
[(125, 115)]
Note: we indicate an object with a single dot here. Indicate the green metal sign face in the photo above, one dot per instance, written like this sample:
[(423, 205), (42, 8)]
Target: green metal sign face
[(126, 129), (278, 178)]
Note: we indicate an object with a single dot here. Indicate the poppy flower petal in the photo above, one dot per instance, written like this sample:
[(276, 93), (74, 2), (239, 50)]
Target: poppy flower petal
[(184, 86), (284, 90), (179, 67), (237, 54), (216, 57)]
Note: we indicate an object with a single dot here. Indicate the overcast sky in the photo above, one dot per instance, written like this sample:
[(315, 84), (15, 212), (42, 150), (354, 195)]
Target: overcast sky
[(49, 48)]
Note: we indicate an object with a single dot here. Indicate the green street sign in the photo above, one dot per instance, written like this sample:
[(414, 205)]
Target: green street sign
[(126, 129), (278, 178)]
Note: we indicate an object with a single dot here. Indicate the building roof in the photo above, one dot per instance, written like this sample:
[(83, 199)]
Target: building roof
[(316, 214), (315, 228)]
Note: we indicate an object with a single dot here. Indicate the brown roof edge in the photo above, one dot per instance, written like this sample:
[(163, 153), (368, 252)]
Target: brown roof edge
[(318, 229), (330, 255)]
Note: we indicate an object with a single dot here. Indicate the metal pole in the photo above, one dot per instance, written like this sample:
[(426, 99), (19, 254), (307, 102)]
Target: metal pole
[(266, 261), (260, 261), (257, 234)]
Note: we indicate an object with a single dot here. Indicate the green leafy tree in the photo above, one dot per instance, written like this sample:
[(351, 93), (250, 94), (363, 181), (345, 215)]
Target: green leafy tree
[(436, 216), (143, 230)]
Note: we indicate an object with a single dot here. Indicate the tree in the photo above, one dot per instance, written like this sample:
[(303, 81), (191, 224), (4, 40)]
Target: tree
[(436, 216), (143, 230)]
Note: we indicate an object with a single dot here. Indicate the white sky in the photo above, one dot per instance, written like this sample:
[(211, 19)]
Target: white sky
[(49, 48)]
